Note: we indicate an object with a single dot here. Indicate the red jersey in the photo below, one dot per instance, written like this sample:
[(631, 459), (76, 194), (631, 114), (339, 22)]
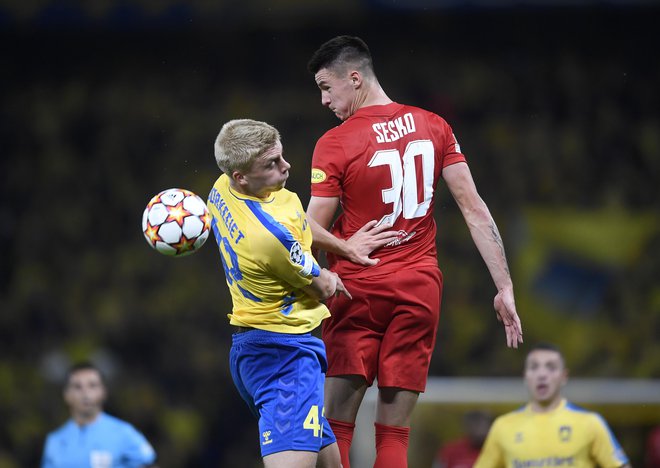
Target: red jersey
[(384, 163)]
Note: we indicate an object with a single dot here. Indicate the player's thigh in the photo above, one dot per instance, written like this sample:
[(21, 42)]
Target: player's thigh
[(291, 459), (407, 346), (329, 457)]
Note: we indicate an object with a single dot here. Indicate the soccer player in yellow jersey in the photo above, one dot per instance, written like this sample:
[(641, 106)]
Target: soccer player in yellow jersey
[(550, 431), (276, 286)]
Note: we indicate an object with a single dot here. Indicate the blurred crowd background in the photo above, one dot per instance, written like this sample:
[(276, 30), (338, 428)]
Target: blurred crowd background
[(104, 104)]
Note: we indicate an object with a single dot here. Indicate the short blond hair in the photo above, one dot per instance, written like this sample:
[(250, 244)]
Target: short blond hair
[(241, 141)]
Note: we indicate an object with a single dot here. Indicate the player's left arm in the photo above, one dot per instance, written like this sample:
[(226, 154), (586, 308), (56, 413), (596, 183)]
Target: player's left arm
[(487, 238), (137, 451), (320, 213)]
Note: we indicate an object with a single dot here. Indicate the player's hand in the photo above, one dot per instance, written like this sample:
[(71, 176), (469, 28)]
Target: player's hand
[(367, 239), (505, 308), (341, 289)]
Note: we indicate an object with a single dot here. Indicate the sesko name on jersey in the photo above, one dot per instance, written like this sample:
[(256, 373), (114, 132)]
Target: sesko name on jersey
[(393, 130)]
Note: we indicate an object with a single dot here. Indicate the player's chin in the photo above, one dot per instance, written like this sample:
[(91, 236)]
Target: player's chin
[(279, 186)]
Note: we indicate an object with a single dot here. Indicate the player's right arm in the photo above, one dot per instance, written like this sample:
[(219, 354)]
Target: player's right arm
[(491, 455), (325, 285), (320, 213)]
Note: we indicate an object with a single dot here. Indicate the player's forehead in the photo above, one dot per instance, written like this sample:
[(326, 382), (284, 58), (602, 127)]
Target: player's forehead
[(543, 356), (326, 76), (272, 153), (84, 376)]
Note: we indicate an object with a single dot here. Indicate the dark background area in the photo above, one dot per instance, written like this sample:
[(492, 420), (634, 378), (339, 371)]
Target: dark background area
[(106, 104)]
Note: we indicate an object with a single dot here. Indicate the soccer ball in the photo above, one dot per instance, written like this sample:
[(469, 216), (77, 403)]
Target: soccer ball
[(176, 222)]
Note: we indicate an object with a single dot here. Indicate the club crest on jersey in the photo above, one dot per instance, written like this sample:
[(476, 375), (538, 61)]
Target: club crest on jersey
[(565, 433), (318, 176)]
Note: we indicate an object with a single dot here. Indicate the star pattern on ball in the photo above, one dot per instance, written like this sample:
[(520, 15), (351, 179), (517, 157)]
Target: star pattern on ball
[(152, 234), (177, 213)]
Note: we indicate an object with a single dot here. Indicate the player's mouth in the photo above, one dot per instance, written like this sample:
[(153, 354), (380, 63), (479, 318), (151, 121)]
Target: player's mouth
[(542, 388)]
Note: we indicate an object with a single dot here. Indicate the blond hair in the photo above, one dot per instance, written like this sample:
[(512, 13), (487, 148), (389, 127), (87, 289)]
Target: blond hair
[(240, 142)]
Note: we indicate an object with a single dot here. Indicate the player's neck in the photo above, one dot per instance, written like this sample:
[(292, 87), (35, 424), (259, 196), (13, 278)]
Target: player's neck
[(546, 406), (84, 419), (237, 188), (373, 96)]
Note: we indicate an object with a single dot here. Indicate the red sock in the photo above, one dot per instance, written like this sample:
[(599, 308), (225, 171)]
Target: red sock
[(344, 433), (391, 446)]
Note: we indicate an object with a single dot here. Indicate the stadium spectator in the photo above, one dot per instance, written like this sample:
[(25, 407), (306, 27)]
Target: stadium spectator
[(463, 452), (652, 450), (548, 430), (93, 438), (383, 163), (276, 286)]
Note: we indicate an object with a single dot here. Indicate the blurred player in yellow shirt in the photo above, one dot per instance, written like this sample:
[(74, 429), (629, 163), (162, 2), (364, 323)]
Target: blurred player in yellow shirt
[(550, 431)]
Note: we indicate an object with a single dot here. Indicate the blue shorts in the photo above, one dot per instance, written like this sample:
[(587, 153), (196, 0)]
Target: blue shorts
[(281, 378)]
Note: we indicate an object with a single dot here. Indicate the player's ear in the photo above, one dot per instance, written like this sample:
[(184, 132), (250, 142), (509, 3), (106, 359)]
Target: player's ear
[(238, 178), (356, 78)]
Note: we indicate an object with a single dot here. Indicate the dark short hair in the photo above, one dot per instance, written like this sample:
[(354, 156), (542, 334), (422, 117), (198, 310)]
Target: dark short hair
[(80, 366), (344, 49), (546, 346)]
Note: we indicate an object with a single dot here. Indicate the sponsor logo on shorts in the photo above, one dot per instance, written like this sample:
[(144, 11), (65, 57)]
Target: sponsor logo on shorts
[(266, 436)]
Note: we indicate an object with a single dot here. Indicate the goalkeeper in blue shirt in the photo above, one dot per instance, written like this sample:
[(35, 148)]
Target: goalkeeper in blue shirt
[(93, 438)]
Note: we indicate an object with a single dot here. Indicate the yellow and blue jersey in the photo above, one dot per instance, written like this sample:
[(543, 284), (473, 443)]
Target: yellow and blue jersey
[(565, 436), (265, 247)]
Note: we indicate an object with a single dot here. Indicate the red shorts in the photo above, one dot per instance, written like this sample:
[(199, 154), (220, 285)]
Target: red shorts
[(388, 330)]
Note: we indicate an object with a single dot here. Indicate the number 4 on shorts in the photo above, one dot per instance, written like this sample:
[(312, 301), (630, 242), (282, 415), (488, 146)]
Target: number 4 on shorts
[(313, 422)]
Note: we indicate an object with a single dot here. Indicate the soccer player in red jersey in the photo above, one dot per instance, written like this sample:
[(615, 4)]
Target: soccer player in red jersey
[(383, 164)]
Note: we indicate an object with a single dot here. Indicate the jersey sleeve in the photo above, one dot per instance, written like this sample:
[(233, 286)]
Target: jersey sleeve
[(491, 455), (606, 449), (284, 256), (137, 451), (328, 163), (451, 149), (293, 265)]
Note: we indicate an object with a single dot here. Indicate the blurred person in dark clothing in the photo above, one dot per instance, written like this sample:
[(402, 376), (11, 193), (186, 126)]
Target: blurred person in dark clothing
[(463, 452)]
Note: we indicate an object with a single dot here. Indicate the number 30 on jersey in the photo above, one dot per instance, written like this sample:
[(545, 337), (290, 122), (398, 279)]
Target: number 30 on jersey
[(404, 191)]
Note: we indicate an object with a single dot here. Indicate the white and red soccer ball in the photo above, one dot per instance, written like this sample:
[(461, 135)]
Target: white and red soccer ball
[(176, 222)]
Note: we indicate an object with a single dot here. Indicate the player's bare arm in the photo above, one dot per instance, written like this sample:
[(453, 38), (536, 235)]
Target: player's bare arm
[(325, 285), (321, 212), (487, 238)]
